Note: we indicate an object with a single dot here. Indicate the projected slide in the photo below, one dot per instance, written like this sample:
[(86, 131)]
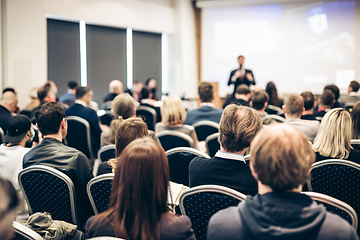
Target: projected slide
[(298, 46)]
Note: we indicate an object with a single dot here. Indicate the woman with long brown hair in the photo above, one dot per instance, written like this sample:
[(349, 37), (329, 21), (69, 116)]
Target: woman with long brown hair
[(138, 207)]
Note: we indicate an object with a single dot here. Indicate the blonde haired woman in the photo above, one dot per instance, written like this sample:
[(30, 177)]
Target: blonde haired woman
[(333, 140), (173, 115)]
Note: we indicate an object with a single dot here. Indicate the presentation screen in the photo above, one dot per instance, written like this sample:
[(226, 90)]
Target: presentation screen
[(300, 47)]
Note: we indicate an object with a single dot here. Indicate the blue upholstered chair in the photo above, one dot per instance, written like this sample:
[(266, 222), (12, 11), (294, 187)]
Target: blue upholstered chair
[(106, 152), (338, 179), (174, 139), (205, 128), (148, 115), (212, 145), (49, 190), (201, 202), (355, 143), (99, 192), (179, 160)]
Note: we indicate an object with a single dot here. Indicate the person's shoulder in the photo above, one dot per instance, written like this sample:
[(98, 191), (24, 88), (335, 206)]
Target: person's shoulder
[(336, 228), (176, 227), (98, 226), (200, 161)]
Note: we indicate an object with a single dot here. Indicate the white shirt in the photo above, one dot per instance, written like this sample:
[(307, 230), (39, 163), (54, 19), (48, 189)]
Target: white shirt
[(11, 162)]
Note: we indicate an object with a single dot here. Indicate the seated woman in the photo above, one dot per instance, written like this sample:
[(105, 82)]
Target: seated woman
[(138, 207), (273, 95), (173, 115), (333, 140), (128, 130)]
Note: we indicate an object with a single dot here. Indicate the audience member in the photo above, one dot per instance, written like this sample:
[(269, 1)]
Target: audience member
[(281, 158), (207, 110), (135, 91), (326, 101), (52, 152), (259, 101), (138, 206), (336, 92), (53, 87), (128, 130), (274, 99), (238, 126), (35, 102), (151, 83), (19, 132), (173, 116), (242, 96), (69, 97), (352, 93), (115, 88), (45, 94), (9, 89), (293, 108), (334, 137), (9, 202), (355, 117), (309, 105), (8, 104), (147, 101), (80, 109)]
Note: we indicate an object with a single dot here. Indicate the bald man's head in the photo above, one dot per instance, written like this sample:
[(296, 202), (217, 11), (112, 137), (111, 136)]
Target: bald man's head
[(9, 100), (116, 87)]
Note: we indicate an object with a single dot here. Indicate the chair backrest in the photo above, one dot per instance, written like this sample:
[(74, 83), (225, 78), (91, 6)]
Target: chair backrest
[(149, 116), (275, 118), (99, 192), (106, 105), (338, 179), (201, 202), (212, 145), (106, 152), (78, 135), (349, 106), (319, 118), (24, 233), (2, 135), (46, 189), (336, 206), (355, 143), (179, 160), (174, 139), (271, 109), (205, 128)]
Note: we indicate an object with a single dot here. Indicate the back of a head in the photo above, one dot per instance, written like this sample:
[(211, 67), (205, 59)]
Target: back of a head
[(72, 84), (9, 89), (43, 92), (354, 85), (8, 205), (172, 111), (243, 89), (145, 92), (206, 92), (327, 98), (333, 139), (271, 90), (335, 90), (294, 105), (82, 91), (309, 100), (238, 127), (355, 117), (259, 99), (139, 191), (123, 105), (116, 87), (49, 117), (281, 157), (8, 98)]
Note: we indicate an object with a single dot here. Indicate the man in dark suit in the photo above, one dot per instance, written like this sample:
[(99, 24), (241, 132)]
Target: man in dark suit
[(147, 101), (241, 75), (80, 109), (207, 110)]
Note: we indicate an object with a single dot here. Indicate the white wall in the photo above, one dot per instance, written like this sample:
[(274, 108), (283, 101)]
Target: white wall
[(25, 46)]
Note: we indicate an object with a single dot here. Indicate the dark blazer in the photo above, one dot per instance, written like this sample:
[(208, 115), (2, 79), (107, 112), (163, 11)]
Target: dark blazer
[(109, 97), (4, 118), (157, 109), (203, 113), (89, 115), (230, 173), (240, 81)]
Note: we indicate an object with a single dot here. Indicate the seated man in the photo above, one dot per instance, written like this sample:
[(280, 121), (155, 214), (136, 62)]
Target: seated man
[(281, 158), (8, 104), (135, 91), (207, 110), (115, 88), (326, 101), (293, 108), (242, 96), (309, 105), (352, 93), (147, 101), (69, 97), (81, 109), (259, 102), (238, 126), (45, 94), (52, 152)]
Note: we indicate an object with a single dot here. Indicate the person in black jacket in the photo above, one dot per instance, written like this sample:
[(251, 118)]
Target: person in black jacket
[(281, 158), (52, 152), (241, 75)]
